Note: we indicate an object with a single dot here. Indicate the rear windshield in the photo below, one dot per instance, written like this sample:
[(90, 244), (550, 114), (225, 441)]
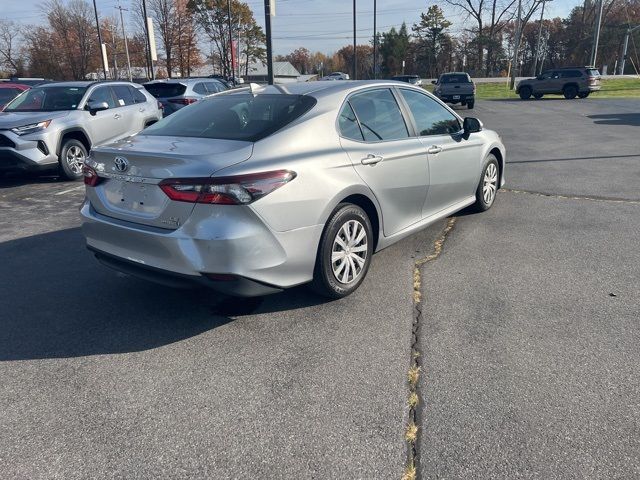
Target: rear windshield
[(234, 117), (7, 94), (457, 78), (47, 99), (165, 90)]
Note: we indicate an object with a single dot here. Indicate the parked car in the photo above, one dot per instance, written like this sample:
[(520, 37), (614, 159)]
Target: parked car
[(174, 94), (412, 79), (336, 76), (305, 188), (9, 91), (55, 125), (571, 82), (455, 87)]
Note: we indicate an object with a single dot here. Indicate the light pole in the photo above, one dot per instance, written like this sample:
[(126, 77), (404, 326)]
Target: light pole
[(104, 67), (233, 73), (126, 45), (354, 41), (625, 48), (516, 47), (535, 59), (596, 36), (375, 42), (146, 29), (267, 28)]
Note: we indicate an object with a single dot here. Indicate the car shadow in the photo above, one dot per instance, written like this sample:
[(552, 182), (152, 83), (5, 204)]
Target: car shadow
[(630, 119), (59, 302), (19, 179)]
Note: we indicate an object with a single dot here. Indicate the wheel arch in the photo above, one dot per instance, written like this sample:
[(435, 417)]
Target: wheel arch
[(370, 209), (499, 155), (75, 133)]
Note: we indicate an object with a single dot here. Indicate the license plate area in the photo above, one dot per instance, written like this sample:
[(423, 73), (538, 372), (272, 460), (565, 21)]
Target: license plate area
[(134, 196), (456, 97)]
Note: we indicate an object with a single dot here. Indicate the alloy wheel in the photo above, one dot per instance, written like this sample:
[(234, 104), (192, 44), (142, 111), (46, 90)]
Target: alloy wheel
[(75, 159), (349, 252), (490, 183)]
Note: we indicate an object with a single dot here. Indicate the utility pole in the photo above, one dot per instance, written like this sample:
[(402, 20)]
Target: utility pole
[(596, 36), (146, 30), (375, 42), (104, 67), (267, 28), (516, 47), (625, 48), (355, 62), (126, 45), (233, 72), (535, 59), (114, 43)]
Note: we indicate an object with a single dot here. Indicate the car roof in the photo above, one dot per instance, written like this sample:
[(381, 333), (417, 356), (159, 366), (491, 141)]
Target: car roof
[(455, 73), (87, 83), (184, 80), (14, 85)]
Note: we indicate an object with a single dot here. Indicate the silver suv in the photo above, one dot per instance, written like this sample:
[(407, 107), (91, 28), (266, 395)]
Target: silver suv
[(174, 94), (55, 125)]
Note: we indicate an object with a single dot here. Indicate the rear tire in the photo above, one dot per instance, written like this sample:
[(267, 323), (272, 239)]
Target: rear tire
[(583, 94), (344, 253), (488, 185), (570, 92), (525, 93), (537, 96), (470, 105), (72, 156)]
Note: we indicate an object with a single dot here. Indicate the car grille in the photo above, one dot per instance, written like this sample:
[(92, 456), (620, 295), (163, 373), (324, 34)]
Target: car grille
[(5, 142)]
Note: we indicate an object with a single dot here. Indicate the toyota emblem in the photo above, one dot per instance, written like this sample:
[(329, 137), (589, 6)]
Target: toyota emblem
[(122, 164)]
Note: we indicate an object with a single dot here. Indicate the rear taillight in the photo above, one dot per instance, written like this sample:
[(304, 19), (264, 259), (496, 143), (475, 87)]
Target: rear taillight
[(183, 101), (235, 190), (474, 88), (593, 80), (91, 178)]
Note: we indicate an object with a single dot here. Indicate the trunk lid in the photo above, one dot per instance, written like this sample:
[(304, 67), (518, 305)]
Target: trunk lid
[(132, 168)]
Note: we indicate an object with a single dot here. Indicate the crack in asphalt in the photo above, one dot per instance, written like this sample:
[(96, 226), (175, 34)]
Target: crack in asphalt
[(412, 434), (573, 197)]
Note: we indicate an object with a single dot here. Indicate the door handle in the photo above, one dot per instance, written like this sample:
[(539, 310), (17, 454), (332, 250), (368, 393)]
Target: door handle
[(371, 159), (141, 109), (433, 149), (116, 116)]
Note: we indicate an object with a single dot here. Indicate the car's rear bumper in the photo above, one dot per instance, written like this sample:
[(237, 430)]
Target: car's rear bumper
[(462, 98), (235, 253)]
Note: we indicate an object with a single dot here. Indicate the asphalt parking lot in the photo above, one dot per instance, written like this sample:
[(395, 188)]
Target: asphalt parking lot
[(528, 338)]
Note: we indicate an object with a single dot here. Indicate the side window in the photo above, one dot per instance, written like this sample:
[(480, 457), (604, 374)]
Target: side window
[(571, 74), (103, 94), (138, 96), (379, 115), (348, 124), (200, 88), (123, 95), (555, 75), (431, 118), (546, 75)]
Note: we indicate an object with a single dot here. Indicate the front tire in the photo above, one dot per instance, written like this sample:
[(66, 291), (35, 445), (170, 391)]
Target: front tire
[(525, 93), (344, 253), (488, 185), (537, 96), (570, 92), (583, 94), (72, 156)]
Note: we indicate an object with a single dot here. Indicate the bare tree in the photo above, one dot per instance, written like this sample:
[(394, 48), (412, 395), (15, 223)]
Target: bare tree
[(11, 57)]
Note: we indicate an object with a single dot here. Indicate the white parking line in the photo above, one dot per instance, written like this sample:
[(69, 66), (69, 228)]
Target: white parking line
[(70, 190)]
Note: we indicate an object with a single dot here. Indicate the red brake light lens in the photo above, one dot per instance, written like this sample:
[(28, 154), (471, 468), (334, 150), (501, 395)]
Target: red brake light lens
[(91, 178), (183, 101), (234, 190)]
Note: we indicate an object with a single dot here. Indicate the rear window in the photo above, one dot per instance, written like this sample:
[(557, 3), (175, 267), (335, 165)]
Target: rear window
[(165, 90), (234, 117), (593, 72), (456, 78), (7, 94)]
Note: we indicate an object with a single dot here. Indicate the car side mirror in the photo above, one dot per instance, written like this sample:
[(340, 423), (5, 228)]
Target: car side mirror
[(471, 125), (435, 82), (94, 107)]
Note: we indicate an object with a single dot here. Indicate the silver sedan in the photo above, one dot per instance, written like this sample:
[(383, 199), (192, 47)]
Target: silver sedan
[(259, 189)]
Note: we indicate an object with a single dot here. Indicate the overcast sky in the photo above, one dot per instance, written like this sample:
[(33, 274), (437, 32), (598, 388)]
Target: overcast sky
[(324, 25)]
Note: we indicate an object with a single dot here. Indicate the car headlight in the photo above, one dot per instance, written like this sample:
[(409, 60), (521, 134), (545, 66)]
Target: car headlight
[(31, 128)]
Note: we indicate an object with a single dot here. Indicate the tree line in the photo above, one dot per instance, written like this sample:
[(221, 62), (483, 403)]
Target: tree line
[(192, 33)]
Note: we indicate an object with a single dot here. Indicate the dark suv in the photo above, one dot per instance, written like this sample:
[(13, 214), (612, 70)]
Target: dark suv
[(571, 82)]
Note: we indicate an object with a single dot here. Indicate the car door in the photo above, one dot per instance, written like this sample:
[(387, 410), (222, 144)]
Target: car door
[(131, 120), (103, 126), (454, 162), (390, 161)]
